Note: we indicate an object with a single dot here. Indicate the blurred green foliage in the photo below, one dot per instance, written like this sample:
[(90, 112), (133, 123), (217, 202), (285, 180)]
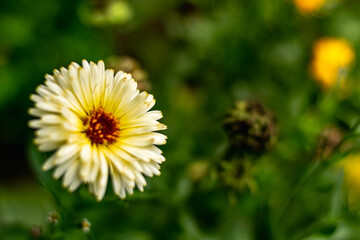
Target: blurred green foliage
[(200, 57)]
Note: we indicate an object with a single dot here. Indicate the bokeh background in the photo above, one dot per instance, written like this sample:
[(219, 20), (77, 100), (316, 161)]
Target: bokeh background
[(261, 100)]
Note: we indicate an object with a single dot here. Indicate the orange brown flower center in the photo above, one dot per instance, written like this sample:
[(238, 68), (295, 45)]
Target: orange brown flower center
[(101, 127)]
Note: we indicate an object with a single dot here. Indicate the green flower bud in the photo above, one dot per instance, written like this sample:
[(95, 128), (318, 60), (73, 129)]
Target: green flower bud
[(250, 128), (237, 174)]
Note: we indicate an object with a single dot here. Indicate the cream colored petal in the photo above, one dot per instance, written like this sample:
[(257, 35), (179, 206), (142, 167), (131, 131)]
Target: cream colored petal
[(75, 94), (73, 122), (75, 184), (85, 65), (102, 176), (59, 77), (104, 171), (52, 119), (99, 90), (100, 186), (146, 169), (149, 118), (118, 185), (135, 152), (142, 129), (127, 93), (86, 88), (66, 152), (62, 168), (46, 147), (36, 98), (95, 164), (136, 141), (129, 185), (138, 109), (68, 149), (71, 173), (140, 181), (85, 172), (47, 107), (36, 112), (49, 163), (74, 104), (86, 155), (116, 162), (107, 85), (154, 167), (123, 155), (133, 106), (54, 87), (145, 139), (112, 95), (44, 91), (36, 123), (51, 133)]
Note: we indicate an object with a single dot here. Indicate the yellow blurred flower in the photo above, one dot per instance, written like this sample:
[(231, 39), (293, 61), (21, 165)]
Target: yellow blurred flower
[(309, 6), (331, 58), (351, 166)]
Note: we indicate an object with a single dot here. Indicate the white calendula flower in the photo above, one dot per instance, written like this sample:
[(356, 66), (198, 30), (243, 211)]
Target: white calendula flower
[(98, 124)]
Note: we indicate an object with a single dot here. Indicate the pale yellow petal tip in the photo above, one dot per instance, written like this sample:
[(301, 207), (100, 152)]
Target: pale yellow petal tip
[(131, 77), (37, 89), (30, 124), (45, 168), (162, 126), (83, 177), (120, 72), (30, 110), (68, 188), (72, 64), (56, 72), (54, 176)]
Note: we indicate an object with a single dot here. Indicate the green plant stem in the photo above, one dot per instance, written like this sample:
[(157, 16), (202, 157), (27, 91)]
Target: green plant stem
[(303, 180), (312, 169)]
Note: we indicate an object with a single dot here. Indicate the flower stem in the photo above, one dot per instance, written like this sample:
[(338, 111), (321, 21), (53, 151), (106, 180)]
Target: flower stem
[(312, 169)]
